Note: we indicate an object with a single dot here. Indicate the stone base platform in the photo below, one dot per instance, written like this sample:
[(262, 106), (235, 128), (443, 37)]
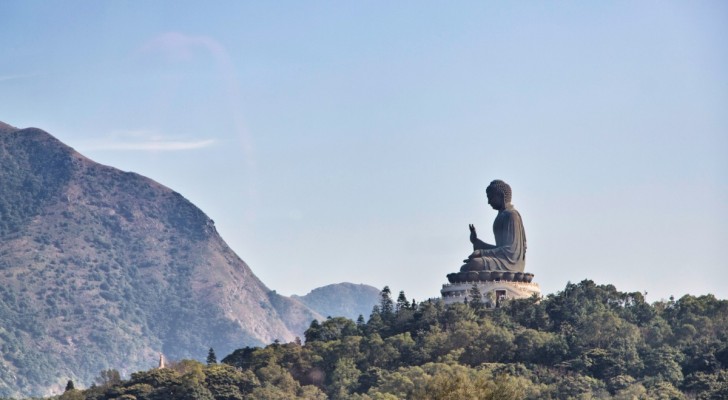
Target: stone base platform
[(475, 276), (493, 292)]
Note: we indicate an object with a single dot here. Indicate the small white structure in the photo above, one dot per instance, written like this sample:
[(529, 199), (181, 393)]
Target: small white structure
[(493, 292)]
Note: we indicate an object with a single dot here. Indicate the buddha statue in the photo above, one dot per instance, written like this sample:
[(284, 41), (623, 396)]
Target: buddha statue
[(509, 251)]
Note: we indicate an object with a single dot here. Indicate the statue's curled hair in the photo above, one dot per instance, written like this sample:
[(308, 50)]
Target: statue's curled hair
[(501, 187)]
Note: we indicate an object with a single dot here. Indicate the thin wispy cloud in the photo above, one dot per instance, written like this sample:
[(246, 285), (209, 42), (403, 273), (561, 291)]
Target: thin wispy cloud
[(4, 78), (151, 146), (144, 140), (180, 46)]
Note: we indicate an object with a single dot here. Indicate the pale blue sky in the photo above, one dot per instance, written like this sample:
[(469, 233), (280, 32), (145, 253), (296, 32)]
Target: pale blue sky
[(353, 141)]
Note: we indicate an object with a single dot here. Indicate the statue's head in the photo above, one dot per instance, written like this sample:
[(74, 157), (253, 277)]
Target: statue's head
[(498, 191)]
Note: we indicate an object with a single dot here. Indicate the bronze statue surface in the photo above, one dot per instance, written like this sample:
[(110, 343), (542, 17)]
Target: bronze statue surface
[(509, 251)]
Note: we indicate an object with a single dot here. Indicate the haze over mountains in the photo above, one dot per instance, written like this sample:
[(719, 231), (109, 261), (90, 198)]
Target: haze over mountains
[(102, 268)]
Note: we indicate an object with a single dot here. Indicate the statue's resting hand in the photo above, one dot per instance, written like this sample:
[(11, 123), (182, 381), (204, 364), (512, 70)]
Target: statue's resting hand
[(475, 254)]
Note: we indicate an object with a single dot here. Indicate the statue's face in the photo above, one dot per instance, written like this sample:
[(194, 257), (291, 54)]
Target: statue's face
[(495, 199)]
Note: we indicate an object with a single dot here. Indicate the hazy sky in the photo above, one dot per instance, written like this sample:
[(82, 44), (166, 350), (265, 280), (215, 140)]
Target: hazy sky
[(353, 141)]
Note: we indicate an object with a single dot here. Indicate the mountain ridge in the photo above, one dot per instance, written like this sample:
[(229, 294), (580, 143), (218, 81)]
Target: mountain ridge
[(351, 300), (116, 265)]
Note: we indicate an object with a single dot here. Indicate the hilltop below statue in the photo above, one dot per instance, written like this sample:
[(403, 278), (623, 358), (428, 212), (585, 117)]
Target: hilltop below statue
[(509, 251)]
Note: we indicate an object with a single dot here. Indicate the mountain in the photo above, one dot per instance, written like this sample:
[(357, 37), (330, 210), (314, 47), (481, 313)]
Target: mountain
[(101, 268), (342, 300)]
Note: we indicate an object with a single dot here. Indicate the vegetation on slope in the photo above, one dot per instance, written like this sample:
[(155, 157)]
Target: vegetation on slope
[(586, 342), (32, 173)]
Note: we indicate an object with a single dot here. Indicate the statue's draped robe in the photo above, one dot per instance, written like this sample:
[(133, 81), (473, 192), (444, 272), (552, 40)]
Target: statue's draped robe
[(509, 252)]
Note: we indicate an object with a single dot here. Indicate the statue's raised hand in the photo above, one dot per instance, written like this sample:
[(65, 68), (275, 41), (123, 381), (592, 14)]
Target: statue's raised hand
[(473, 234)]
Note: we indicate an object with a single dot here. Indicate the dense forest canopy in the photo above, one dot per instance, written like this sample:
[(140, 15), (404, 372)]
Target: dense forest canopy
[(588, 341)]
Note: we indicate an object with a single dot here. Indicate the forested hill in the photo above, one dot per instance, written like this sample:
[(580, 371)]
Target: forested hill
[(588, 341), (102, 268)]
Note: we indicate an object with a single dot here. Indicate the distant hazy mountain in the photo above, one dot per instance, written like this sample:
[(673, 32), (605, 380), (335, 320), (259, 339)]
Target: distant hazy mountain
[(101, 268), (342, 300)]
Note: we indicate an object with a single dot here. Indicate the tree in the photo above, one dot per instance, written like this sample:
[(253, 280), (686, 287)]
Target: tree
[(273, 375), (69, 385), (344, 378), (72, 394), (229, 383), (108, 378), (211, 357), (331, 329), (386, 305), (242, 358), (311, 392), (191, 370), (664, 362), (313, 333), (375, 323), (476, 298), (402, 302), (378, 353), (360, 322)]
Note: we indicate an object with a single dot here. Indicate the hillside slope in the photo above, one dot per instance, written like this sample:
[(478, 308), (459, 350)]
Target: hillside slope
[(101, 268)]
